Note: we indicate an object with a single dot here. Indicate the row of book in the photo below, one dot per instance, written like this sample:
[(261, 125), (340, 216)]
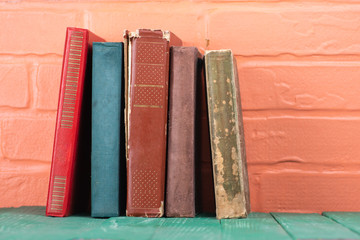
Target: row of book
[(142, 106)]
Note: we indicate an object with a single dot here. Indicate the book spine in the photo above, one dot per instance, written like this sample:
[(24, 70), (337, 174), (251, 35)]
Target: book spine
[(126, 88), (180, 185), (226, 136), (106, 118), (147, 122), (67, 123)]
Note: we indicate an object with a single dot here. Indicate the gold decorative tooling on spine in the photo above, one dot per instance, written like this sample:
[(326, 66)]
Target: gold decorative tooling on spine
[(58, 194), (71, 79)]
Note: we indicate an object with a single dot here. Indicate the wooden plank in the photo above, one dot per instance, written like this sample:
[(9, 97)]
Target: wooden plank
[(188, 228), (31, 223), (350, 220), (312, 226), (125, 228), (255, 226)]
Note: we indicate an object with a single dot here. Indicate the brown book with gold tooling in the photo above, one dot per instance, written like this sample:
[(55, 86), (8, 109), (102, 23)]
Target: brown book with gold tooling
[(185, 67), (226, 135), (147, 63)]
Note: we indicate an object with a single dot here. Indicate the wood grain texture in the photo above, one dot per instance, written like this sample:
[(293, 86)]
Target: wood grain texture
[(350, 220), (31, 223), (202, 228), (255, 226), (312, 226)]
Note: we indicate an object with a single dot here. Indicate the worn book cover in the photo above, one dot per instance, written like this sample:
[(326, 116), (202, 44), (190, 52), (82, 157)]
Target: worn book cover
[(226, 135), (185, 68), (65, 150), (146, 120), (107, 153)]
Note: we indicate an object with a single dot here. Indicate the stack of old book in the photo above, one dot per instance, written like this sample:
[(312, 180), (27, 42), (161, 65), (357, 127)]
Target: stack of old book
[(147, 116)]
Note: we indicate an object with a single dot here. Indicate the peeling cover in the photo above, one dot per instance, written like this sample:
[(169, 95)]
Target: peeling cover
[(146, 110), (226, 135)]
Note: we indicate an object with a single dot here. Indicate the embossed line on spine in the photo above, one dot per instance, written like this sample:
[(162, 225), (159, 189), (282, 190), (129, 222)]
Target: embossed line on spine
[(148, 96), (149, 85), (58, 194), (71, 79)]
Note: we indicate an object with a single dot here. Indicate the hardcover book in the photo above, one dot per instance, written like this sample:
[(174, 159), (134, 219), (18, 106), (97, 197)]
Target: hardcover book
[(107, 152), (65, 150), (226, 135), (185, 71), (146, 120)]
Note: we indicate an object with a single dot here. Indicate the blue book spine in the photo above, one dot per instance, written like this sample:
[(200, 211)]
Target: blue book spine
[(107, 112)]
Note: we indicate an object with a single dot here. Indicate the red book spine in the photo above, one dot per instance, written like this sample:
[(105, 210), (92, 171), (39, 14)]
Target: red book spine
[(67, 123), (147, 122)]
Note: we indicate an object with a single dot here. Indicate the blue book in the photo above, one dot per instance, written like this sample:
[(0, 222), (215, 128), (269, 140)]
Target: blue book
[(107, 154)]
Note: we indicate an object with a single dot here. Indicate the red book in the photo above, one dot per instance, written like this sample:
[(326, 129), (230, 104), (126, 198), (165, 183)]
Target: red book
[(61, 184), (147, 108)]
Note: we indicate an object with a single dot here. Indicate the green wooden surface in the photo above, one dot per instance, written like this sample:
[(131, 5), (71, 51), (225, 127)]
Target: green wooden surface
[(313, 226), (350, 220), (188, 228), (31, 223), (255, 226)]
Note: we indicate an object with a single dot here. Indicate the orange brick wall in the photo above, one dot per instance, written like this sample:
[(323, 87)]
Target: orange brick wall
[(299, 67)]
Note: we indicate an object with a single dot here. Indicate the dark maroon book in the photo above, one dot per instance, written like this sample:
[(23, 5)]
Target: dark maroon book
[(181, 154)]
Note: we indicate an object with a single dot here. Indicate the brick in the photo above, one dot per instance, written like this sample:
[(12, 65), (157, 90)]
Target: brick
[(14, 90), (305, 142), (288, 28), (308, 192), (30, 139), (23, 189), (182, 20), (1, 154), (35, 32), (300, 85), (48, 84)]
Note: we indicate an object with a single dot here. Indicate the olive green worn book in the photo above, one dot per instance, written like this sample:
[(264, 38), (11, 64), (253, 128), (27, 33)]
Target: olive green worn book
[(226, 135)]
